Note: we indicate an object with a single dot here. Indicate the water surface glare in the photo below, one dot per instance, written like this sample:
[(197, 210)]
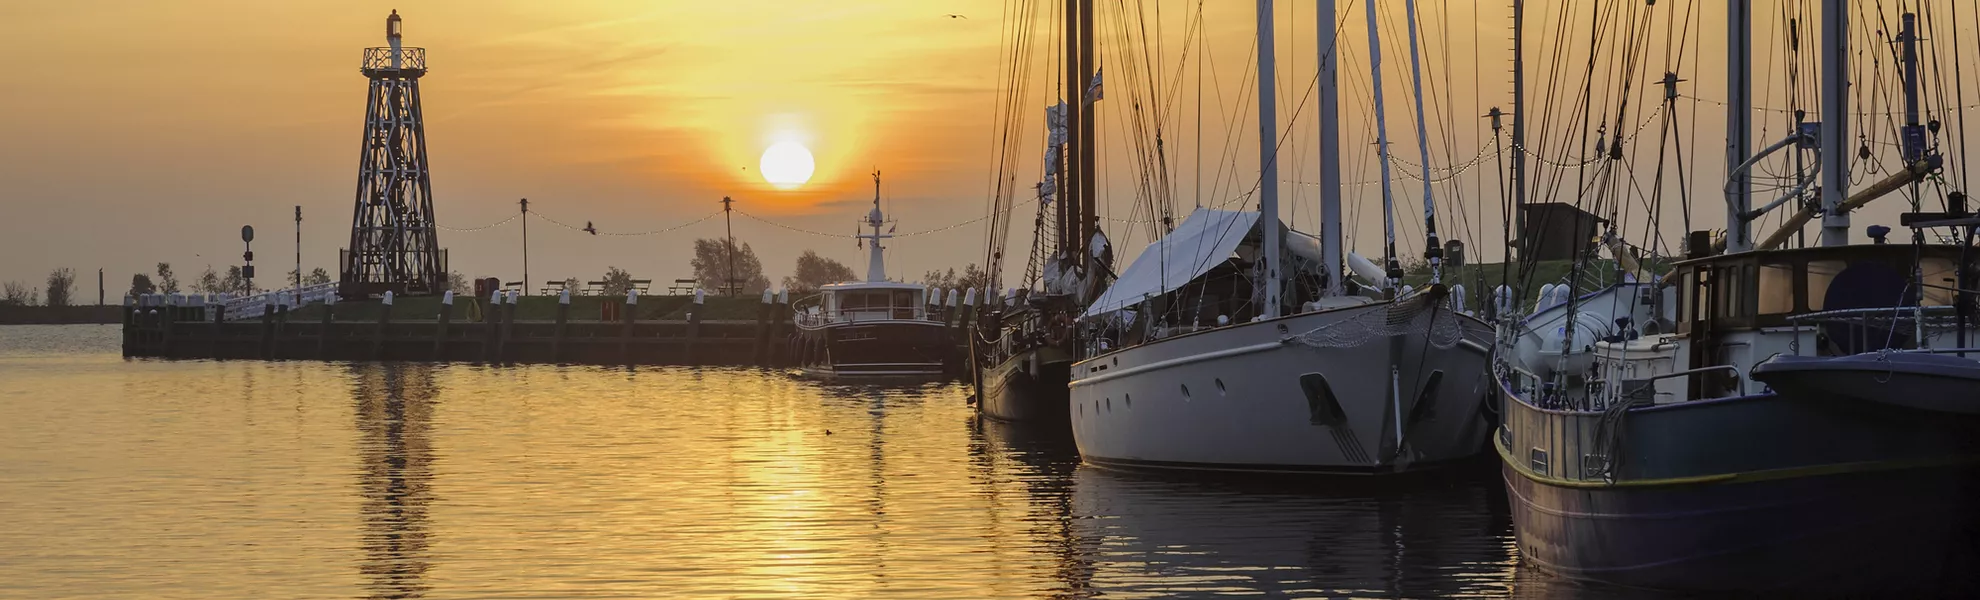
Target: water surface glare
[(239, 479)]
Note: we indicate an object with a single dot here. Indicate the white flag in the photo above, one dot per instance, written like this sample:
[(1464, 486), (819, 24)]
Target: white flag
[(1093, 90)]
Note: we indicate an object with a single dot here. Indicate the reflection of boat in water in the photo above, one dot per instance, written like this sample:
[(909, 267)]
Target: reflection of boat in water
[(1183, 537), (393, 403), (874, 328)]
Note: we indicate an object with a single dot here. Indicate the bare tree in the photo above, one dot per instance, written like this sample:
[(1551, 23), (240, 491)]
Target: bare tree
[(168, 283), (15, 293), (61, 286), (208, 282)]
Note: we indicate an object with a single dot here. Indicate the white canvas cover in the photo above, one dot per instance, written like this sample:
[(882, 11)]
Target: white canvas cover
[(1205, 239)]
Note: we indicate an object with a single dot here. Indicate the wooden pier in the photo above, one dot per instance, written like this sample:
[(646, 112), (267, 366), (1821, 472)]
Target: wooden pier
[(665, 330)]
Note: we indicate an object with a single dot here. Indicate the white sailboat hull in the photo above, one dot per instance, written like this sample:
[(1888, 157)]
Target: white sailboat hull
[(1232, 399)]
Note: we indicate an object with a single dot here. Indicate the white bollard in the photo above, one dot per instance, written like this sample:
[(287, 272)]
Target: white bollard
[(767, 296), (564, 297), (700, 295), (953, 293), (969, 299), (632, 297), (784, 296), (513, 295), (495, 298), (447, 298), (387, 300)]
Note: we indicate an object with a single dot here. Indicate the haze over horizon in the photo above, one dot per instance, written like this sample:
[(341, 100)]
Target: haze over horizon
[(147, 132)]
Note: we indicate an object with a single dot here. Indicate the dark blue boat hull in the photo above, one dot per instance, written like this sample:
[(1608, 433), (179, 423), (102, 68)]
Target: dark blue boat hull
[(1891, 531)]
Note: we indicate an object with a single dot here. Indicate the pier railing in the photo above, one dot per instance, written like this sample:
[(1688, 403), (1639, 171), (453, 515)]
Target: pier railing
[(252, 307)]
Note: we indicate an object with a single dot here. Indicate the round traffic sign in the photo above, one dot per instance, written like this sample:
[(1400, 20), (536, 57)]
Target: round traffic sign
[(247, 233)]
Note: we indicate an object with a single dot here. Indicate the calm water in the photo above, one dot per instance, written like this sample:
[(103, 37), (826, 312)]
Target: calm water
[(198, 479)]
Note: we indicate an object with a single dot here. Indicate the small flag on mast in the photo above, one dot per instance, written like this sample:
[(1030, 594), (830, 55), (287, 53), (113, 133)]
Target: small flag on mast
[(1093, 89)]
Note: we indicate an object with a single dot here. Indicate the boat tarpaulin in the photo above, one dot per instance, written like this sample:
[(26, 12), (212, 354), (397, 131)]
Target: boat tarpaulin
[(1204, 240)]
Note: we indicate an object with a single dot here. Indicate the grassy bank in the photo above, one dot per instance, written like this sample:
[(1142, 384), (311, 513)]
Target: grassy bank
[(544, 308)]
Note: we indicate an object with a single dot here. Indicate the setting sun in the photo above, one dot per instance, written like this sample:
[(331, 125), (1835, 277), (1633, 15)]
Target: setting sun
[(786, 164)]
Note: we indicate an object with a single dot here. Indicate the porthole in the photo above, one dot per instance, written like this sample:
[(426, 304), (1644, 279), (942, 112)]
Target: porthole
[(1110, 405), (1220, 387), (1185, 391)]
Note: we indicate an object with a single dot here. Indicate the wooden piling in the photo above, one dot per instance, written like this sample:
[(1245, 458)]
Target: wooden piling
[(326, 332), (490, 334), (693, 330), (440, 330), (626, 311), (384, 321), (761, 354), (508, 327), (563, 323)]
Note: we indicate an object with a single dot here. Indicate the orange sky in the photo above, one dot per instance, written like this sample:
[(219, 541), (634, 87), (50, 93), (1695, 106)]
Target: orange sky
[(137, 132)]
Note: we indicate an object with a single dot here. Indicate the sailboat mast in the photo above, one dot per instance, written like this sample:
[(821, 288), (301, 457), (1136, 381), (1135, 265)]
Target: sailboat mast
[(1835, 122), (1393, 267), (1268, 163), (1330, 147), (1433, 251), (1089, 219), (1519, 137), (1739, 130), (1069, 201)]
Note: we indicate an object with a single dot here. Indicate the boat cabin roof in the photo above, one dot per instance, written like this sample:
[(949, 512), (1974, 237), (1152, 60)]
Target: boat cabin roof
[(1762, 288)]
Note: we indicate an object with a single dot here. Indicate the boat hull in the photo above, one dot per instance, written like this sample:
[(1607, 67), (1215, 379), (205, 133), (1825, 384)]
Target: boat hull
[(1246, 398), (881, 349), (1029, 387), (1755, 493)]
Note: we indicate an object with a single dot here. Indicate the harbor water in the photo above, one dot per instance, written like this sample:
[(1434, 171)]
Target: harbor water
[(128, 478)]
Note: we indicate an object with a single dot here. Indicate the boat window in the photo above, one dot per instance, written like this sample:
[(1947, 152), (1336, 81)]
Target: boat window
[(1776, 289), (1938, 277), (904, 298), (851, 300), (1820, 273), (1730, 300)]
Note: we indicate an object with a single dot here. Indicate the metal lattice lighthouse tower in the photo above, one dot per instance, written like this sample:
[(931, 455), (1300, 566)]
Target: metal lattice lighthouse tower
[(393, 246)]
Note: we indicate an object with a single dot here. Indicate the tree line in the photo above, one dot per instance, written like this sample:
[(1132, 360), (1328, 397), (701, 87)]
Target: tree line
[(711, 266)]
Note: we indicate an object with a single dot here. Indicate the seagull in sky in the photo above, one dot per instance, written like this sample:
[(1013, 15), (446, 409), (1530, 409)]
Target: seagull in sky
[(957, 17), (589, 229)]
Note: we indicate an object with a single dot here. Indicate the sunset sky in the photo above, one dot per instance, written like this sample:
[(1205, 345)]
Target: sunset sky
[(138, 132)]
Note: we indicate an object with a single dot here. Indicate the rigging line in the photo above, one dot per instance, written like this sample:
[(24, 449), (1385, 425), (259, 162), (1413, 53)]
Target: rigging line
[(483, 227), (543, 217)]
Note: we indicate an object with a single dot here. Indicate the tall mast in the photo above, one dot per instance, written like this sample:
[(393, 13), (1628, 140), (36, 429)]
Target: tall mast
[(876, 266), (1433, 251), (1390, 263), (1519, 133), (1075, 88), (1268, 162), (1835, 122), (1330, 147), (1089, 219), (1739, 128)]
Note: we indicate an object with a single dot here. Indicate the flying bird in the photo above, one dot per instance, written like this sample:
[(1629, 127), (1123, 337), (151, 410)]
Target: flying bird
[(589, 229), (957, 17)]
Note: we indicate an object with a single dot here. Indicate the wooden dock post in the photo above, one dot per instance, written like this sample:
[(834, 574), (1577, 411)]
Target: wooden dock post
[(267, 332), (778, 314), (761, 355), (446, 320), (508, 326), (281, 325), (563, 322), (384, 321), (490, 334), (326, 333), (693, 328), (626, 325), (218, 324)]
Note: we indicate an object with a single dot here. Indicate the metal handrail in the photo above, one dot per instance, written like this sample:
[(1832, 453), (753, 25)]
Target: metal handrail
[(380, 59)]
